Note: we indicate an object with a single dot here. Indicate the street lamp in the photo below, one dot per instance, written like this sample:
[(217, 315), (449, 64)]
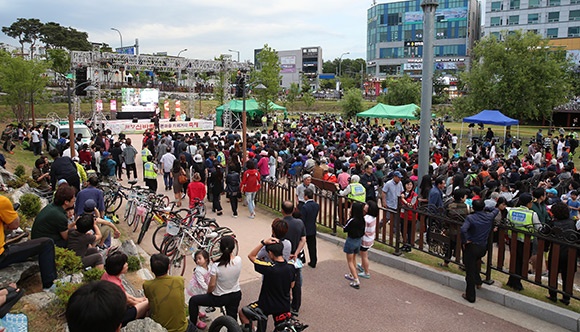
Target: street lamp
[(234, 51), (183, 50), (71, 127), (340, 62), (120, 36)]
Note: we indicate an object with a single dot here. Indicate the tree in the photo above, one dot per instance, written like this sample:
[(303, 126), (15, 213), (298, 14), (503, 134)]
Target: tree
[(519, 74), (305, 84), (269, 76), (352, 103), (402, 91), (21, 80), (308, 100), (56, 36), (26, 30), (293, 94), (59, 61)]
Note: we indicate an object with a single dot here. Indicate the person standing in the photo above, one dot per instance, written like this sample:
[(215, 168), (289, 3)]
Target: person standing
[(63, 168), (368, 239), (309, 214), (355, 229), (150, 174), (523, 218), (297, 236), (306, 183), (129, 154), (369, 181), (36, 143), (250, 186), (166, 296), (392, 190), (217, 180), (474, 236), (176, 171), (166, 164), (563, 222), (233, 190)]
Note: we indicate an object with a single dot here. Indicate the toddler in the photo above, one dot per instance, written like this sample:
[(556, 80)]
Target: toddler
[(198, 283)]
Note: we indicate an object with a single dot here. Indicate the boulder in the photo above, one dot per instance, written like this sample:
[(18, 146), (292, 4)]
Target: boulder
[(129, 248), (146, 324), (40, 300), (18, 271)]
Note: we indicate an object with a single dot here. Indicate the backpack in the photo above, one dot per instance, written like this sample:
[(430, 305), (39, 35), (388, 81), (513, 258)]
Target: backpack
[(2, 160)]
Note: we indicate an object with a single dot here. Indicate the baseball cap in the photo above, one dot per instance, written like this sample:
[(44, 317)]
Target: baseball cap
[(106, 154), (61, 181), (552, 191), (197, 158), (397, 174), (90, 205), (306, 176), (525, 199)]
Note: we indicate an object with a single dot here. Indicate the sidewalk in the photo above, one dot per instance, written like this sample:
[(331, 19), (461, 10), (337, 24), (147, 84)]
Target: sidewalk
[(392, 300)]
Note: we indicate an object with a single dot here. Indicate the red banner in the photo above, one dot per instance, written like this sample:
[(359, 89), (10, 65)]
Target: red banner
[(166, 113)]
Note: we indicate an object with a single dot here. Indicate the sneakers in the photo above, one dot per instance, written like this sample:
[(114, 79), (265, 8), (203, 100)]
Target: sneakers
[(349, 276), (51, 289), (364, 275), (202, 315), (355, 285), (234, 215), (359, 267), (201, 325), (252, 216)]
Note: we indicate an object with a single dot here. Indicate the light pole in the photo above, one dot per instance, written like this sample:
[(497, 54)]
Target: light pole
[(429, 7), (120, 36), (183, 50), (71, 127), (234, 51), (340, 62)]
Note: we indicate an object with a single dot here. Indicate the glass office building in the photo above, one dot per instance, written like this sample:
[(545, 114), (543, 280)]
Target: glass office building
[(395, 36)]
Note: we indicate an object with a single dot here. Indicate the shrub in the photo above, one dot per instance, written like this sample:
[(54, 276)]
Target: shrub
[(134, 263), (30, 205), (16, 183), (19, 171), (30, 181), (63, 292), (67, 262), (92, 275)]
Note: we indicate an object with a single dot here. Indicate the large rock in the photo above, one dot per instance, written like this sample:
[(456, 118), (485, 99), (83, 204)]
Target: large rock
[(18, 271), (40, 300), (129, 248), (141, 325)]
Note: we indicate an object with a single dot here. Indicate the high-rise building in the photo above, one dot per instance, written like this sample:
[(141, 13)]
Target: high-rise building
[(296, 64), (558, 20), (395, 36)]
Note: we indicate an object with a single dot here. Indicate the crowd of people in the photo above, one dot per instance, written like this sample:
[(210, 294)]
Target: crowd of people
[(373, 164)]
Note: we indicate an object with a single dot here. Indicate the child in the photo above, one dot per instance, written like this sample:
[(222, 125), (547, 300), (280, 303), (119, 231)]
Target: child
[(199, 281), (574, 205)]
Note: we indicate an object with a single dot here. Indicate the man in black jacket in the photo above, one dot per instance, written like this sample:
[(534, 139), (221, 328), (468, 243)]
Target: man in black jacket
[(369, 181), (63, 168), (309, 212)]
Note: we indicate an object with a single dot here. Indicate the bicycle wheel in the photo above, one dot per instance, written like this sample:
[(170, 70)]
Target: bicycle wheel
[(214, 247), (113, 202), (145, 227), (224, 324), (177, 264), (159, 235), (130, 212), (137, 220), (169, 245)]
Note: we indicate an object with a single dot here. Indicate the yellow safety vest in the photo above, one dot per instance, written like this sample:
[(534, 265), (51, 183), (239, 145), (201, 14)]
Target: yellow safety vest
[(149, 172), (144, 153), (357, 192), (522, 219)]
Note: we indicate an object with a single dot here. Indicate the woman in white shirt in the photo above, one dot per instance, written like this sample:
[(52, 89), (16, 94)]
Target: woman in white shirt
[(224, 284)]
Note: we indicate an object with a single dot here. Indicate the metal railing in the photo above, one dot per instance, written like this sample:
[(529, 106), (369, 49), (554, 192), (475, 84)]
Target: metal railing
[(436, 232)]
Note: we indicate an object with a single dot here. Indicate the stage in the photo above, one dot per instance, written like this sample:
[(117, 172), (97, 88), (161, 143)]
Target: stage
[(129, 127), (129, 115)]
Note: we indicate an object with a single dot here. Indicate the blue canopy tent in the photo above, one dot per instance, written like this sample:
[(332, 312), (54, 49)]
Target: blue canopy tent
[(492, 117)]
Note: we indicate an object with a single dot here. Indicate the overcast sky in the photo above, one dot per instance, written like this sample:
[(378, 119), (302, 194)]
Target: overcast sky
[(206, 28)]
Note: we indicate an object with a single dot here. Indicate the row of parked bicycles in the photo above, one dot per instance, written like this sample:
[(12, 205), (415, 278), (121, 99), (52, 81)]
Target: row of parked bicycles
[(178, 234)]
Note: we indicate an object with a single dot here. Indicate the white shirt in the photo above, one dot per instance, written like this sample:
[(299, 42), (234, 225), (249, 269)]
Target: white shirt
[(228, 277), (35, 136), (167, 161)]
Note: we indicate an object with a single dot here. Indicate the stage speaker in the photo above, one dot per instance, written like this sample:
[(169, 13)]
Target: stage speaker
[(135, 120), (81, 77)]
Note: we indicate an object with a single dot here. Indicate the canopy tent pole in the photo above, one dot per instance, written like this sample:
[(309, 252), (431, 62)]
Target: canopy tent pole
[(519, 131), (460, 138), (504, 134)]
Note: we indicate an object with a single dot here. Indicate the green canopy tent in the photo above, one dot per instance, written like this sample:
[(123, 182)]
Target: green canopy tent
[(391, 112), (252, 109)]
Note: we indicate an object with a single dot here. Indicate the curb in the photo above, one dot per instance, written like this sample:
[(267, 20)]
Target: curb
[(558, 316)]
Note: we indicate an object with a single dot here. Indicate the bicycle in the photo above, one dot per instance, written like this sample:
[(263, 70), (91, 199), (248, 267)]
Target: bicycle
[(137, 196), (113, 195), (170, 227), (188, 240), (282, 323), (158, 207)]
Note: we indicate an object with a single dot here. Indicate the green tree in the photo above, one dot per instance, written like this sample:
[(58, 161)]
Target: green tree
[(305, 84), (401, 91), (330, 67), (59, 61), (268, 75), (21, 80), (56, 36), (26, 30), (520, 75), (308, 100), (293, 94), (221, 86), (352, 103)]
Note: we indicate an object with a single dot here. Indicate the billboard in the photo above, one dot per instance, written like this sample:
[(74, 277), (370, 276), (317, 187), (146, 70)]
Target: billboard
[(139, 100), (126, 50), (441, 15), (288, 64)]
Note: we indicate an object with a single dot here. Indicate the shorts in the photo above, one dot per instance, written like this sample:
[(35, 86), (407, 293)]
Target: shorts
[(130, 315), (364, 248), (352, 246)]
